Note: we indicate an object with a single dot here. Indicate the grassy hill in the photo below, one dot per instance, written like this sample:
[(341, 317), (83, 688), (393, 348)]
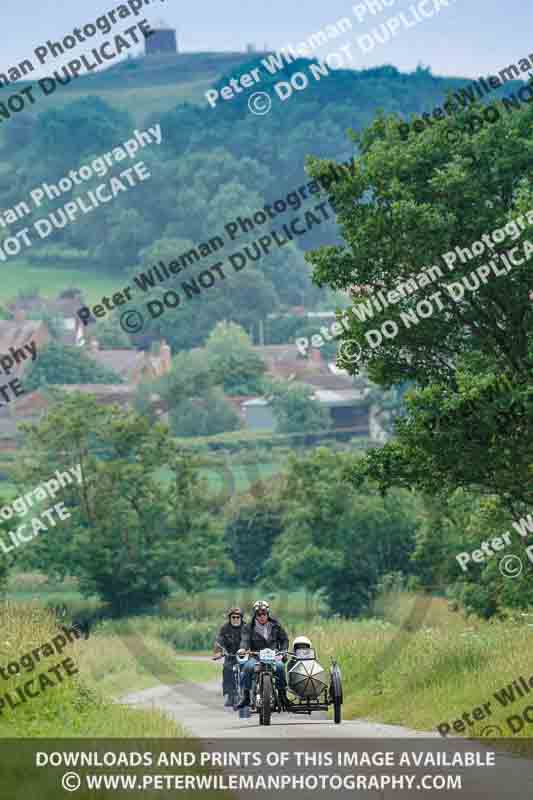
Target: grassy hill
[(313, 121), (145, 85)]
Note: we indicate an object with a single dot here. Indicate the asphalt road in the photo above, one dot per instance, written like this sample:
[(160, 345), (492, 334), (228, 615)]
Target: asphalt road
[(198, 708)]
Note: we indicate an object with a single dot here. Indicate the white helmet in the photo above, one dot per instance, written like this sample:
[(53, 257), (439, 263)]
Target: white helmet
[(301, 641), (261, 605)]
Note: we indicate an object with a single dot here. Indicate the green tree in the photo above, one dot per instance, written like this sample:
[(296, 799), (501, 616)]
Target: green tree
[(296, 411), (339, 540), (253, 524), (196, 404), (204, 416), (129, 531), (86, 126), (459, 524), (110, 336), (232, 360), (460, 431), (63, 364)]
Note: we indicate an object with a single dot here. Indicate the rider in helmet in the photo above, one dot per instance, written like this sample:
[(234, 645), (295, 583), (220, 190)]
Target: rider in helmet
[(301, 647), (263, 631), (229, 636)]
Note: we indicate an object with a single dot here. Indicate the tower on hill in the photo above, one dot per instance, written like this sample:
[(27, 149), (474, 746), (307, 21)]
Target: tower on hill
[(162, 41)]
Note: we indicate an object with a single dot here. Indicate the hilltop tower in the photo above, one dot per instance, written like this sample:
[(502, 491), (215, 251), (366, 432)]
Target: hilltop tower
[(162, 41)]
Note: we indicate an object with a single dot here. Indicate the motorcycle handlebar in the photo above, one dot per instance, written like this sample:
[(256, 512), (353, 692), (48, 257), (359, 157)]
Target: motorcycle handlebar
[(230, 655), (278, 652), (224, 652)]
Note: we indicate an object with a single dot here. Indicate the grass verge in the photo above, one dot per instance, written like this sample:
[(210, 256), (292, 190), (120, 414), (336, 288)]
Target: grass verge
[(422, 674), (80, 705)]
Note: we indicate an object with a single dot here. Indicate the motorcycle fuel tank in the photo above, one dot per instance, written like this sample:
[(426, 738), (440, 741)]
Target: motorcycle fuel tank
[(307, 679)]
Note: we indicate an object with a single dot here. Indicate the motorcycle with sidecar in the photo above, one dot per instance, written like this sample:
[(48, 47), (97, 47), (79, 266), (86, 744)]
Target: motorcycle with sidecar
[(311, 687)]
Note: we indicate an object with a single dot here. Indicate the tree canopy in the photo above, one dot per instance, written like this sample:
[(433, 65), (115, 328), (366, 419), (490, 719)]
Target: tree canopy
[(408, 203), (232, 360), (129, 530), (64, 364), (337, 539)]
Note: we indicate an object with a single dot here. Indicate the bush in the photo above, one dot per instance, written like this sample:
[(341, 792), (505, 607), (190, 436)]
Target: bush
[(62, 364), (189, 636), (205, 416)]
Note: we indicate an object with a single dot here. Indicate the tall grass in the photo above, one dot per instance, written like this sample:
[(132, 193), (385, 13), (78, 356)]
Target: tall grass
[(415, 663), (422, 665), (80, 705), (290, 607)]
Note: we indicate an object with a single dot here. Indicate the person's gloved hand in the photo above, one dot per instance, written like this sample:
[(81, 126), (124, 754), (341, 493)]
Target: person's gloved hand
[(285, 658)]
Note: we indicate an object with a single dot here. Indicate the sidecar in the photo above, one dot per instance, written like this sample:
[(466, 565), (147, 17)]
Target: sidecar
[(314, 688)]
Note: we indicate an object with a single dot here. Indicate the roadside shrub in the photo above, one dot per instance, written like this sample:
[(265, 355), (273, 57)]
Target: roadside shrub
[(192, 636)]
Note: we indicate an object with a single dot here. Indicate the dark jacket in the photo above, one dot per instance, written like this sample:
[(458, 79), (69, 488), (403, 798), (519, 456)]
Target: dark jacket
[(251, 640), (230, 636)]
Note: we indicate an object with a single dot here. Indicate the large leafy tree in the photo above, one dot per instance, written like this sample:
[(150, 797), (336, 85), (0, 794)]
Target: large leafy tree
[(408, 203), (243, 297), (204, 416), (129, 530), (460, 525), (195, 401), (254, 522), (337, 539), (63, 364), (295, 409), (233, 361)]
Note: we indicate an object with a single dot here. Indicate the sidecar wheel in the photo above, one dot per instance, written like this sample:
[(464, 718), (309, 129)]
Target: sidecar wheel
[(336, 693)]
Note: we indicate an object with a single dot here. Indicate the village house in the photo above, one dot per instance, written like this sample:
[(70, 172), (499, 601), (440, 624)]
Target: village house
[(348, 400), (62, 310), (133, 366)]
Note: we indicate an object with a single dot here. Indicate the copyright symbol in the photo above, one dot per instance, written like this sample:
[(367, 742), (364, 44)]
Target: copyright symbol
[(350, 351), (491, 730), (260, 103), (131, 321), (71, 781), (511, 566)]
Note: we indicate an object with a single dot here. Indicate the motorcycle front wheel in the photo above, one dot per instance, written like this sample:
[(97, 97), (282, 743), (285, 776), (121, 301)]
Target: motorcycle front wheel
[(266, 698)]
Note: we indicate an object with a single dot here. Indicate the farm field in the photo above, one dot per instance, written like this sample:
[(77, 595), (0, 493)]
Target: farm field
[(50, 281)]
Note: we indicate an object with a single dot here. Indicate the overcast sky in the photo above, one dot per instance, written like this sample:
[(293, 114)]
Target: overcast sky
[(468, 38)]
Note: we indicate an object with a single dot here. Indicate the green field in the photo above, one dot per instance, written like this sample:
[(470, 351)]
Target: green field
[(51, 281), (139, 102), (145, 86), (243, 476), (232, 478)]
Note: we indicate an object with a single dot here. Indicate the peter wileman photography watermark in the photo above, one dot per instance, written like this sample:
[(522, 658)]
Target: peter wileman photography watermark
[(364, 309), (132, 321), (61, 217), (21, 506), (260, 102), (15, 356), (107, 51), (29, 661), (515, 690), (510, 565), (470, 94)]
